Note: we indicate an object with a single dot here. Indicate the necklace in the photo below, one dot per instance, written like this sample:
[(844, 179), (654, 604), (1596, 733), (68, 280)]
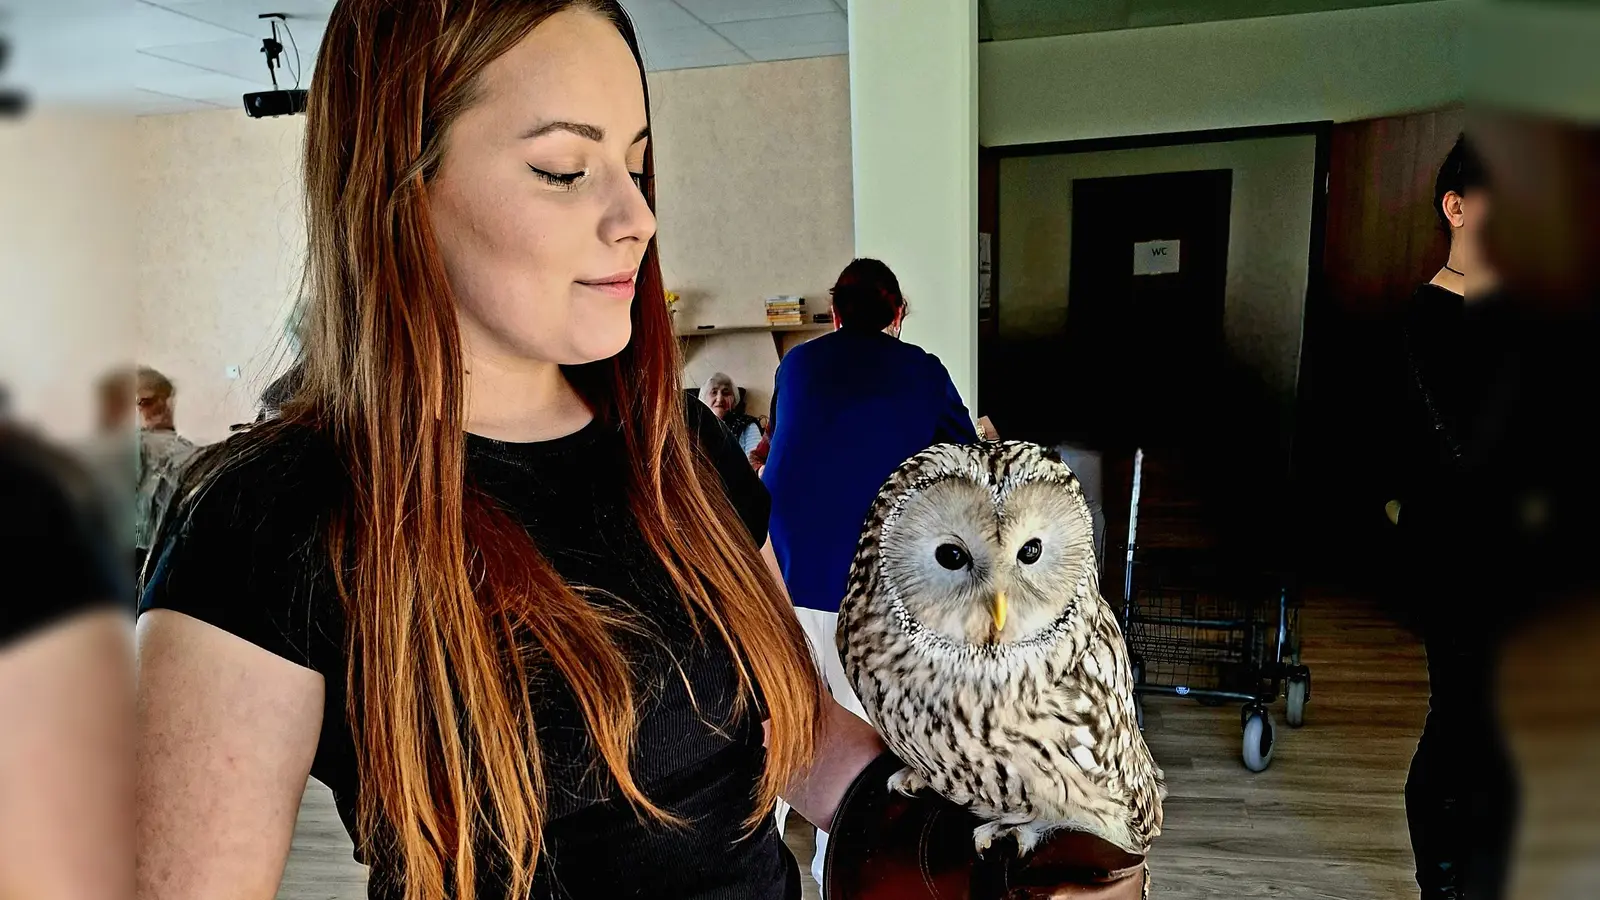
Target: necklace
[(1447, 268)]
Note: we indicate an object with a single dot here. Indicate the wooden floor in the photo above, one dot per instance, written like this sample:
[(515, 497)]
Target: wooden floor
[(1325, 822)]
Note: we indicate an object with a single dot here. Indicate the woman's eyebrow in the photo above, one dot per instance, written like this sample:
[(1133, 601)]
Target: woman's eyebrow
[(592, 132)]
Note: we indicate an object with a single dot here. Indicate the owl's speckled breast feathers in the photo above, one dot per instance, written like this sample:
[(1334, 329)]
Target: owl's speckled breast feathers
[(975, 636)]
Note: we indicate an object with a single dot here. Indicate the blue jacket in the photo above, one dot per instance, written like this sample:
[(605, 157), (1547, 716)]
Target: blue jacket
[(848, 409)]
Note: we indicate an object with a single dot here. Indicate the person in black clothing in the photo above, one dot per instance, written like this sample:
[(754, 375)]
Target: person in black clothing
[(64, 674), (488, 577), (1546, 225), (1460, 794)]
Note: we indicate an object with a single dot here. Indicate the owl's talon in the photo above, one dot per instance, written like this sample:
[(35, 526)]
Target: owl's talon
[(983, 837), (907, 782), (1027, 836)]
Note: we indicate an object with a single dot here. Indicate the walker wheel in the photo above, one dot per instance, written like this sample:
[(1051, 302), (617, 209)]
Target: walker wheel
[(1296, 692), (1257, 746)]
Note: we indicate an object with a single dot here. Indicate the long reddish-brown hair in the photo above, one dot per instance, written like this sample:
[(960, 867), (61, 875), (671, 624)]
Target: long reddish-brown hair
[(449, 605)]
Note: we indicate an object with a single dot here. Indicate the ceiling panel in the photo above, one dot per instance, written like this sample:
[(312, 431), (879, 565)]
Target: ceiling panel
[(239, 57), (694, 39), (180, 80), (47, 9), (155, 26), (716, 12), (758, 35), (159, 56), (657, 16), (799, 51), (689, 48), (705, 59), (244, 17)]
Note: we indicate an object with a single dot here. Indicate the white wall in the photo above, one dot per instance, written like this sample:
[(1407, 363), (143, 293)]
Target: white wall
[(913, 108), (754, 199), (1344, 65), (1269, 235)]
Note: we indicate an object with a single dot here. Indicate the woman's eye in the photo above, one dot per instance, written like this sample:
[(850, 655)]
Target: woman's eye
[(640, 180), (559, 179), (951, 557)]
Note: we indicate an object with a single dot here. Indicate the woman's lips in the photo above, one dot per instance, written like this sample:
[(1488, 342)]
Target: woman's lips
[(619, 286)]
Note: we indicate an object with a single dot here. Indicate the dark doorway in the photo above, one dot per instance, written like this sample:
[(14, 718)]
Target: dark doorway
[(1144, 331)]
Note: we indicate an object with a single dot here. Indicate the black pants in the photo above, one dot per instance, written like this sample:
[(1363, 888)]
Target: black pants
[(1461, 795)]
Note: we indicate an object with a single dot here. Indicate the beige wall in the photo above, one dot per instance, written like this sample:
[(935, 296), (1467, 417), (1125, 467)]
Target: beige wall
[(1344, 65), (1269, 237), (753, 192), (66, 305), (753, 195), (753, 184), (220, 245)]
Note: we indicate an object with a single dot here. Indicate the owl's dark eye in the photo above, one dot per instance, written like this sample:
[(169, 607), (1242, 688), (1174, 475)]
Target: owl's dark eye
[(952, 557), (1029, 554)]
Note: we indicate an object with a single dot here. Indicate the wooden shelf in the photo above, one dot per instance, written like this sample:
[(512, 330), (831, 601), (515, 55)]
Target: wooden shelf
[(744, 329)]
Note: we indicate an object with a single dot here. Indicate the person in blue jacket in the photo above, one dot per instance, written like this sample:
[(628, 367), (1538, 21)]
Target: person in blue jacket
[(848, 409)]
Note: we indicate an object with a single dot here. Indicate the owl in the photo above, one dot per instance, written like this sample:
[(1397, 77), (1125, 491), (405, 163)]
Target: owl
[(975, 636)]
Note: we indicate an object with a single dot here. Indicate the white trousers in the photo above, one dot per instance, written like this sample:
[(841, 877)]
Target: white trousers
[(819, 627)]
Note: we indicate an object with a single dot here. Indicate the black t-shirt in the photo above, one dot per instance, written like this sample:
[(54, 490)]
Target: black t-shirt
[(248, 556), (53, 543)]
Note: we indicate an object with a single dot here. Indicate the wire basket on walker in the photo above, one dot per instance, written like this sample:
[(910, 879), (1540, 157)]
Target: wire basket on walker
[(1215, 626)]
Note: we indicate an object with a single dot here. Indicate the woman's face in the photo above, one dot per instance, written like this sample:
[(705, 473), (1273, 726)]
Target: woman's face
[(537, 204), (721, 399)]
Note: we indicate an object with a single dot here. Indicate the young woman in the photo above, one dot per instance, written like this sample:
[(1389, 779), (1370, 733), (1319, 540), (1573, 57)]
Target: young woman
[(1460, 792), (487, 577)]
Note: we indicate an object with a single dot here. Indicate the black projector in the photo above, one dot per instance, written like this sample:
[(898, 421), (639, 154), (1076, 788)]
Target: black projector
[(274, 103)]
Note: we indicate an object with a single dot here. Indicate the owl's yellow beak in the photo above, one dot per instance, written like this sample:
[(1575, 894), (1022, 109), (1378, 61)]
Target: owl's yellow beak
[(998, 610)]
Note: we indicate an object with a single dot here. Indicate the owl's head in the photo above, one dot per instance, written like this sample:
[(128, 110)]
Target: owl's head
[(986, 544)]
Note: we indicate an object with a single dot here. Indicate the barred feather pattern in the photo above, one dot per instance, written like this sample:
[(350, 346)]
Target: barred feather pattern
[(1034, 732)]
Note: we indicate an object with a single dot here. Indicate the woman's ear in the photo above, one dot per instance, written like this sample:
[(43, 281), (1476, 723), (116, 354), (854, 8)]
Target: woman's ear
[(1451, 204)]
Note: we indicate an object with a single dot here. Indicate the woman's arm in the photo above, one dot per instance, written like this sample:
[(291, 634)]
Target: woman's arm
[(848, 744), (226, 733), (750, 438)]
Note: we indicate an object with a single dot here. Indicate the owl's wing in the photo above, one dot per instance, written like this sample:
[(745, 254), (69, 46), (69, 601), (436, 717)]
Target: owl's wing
[(1121, 749)]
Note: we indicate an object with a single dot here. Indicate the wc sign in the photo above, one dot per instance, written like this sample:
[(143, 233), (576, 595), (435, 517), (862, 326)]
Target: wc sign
[(1155, 258)]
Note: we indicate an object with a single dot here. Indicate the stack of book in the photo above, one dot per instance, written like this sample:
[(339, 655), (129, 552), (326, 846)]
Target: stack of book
[(786, 310)]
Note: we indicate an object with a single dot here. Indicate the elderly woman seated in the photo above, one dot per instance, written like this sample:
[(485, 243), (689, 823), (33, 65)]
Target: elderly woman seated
[(727, 402)]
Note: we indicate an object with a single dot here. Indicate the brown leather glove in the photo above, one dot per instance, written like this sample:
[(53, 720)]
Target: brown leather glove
[(887, 846)]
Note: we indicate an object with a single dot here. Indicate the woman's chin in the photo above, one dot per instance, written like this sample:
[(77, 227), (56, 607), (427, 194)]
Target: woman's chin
[(597, 340)]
